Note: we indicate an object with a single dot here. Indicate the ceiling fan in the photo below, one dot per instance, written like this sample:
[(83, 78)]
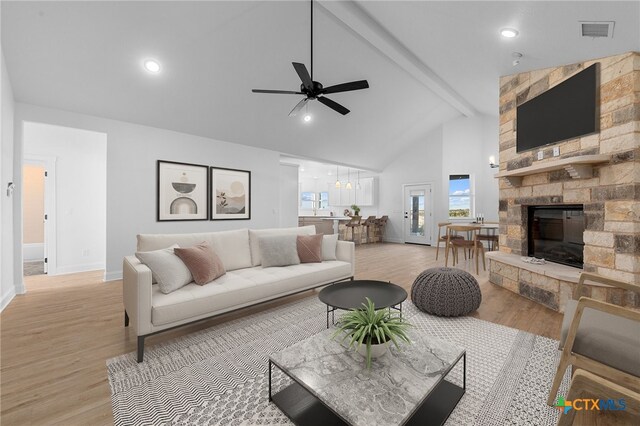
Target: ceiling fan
[(313, 89)]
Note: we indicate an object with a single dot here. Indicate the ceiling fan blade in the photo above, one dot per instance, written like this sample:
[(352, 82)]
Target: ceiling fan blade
[(304, 75), (347, 87), (333, 105), (298, 107), (282, 92)]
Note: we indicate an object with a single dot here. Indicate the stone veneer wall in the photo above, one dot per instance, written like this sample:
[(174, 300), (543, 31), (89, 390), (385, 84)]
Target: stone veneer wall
[(611, 198)]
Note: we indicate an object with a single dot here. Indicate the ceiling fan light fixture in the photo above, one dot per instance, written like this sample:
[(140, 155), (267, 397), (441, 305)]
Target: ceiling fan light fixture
[(152, 66), (509, 32)]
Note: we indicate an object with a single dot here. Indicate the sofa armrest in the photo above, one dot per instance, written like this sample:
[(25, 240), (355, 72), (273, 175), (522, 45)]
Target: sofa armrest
[(346, 251), (136, 292)]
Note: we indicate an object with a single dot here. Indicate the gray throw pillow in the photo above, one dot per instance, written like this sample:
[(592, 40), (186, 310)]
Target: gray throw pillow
[(329, 244), (278, 250), (168, 269)]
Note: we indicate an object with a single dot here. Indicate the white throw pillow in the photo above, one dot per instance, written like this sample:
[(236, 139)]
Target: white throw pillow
[(278, 250), (168, 269), (329, 244), (255, 234)]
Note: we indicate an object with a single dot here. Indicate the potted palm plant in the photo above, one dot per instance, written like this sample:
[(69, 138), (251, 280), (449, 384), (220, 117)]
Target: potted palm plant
[(370, 331)]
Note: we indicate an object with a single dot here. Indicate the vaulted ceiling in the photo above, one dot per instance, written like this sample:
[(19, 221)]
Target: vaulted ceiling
[(426, 63)]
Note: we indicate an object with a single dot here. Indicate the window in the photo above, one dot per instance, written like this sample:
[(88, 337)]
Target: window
[(460, 196), (308, 200), (323, 200)]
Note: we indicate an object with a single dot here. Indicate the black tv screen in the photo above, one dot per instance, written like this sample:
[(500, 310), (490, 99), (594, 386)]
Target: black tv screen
[(568, 110)]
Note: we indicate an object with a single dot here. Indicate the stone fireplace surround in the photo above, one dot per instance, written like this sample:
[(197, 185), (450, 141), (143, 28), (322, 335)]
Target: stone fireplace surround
[(610, 192)]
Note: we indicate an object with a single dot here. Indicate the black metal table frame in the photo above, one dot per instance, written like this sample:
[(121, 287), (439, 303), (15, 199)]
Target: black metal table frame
[(433, 410), (332, 310)]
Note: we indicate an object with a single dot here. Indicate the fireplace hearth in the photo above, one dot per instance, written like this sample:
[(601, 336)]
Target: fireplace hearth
[(555, 233)]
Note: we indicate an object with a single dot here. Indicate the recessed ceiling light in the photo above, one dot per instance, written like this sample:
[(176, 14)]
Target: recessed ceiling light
[(152, 66), (509, 32)]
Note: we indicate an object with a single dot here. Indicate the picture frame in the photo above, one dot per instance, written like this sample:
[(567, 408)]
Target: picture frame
[(182, 191), (230, 193)]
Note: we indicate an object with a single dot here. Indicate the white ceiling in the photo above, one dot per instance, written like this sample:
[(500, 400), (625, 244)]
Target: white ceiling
[(426, 62)]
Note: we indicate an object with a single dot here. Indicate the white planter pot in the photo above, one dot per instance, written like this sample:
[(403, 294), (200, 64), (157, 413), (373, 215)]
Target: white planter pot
[(376, 350)]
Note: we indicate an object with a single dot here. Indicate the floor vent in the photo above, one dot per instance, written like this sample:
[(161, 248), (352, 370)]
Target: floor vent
[(597, 29)]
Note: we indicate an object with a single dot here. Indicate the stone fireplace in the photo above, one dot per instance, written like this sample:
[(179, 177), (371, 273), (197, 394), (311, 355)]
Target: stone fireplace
[(598, 172)]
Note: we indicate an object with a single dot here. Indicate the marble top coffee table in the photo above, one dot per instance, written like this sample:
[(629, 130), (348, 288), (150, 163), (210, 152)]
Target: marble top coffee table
[(331, 385)]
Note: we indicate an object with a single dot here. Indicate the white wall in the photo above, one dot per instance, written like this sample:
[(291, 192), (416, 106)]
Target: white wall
[(421, 163), (80, 182), (288, 195), (467, 143), (8, 285), (132, 152)]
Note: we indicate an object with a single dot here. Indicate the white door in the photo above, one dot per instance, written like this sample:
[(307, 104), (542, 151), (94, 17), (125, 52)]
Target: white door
[(418, 213)]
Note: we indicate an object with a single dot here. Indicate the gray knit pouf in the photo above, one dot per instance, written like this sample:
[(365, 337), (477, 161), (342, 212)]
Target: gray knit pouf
[(446, 292)]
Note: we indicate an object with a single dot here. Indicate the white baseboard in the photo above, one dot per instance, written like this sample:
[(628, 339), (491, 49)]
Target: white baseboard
[(113, 275), (33, 251), (72, 269), (7, 298)]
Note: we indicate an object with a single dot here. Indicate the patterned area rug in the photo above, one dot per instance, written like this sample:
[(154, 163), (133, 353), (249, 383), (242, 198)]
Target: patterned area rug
[(218, 376)]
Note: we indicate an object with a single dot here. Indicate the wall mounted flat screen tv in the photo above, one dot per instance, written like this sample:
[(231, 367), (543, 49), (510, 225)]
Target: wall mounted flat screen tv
[(566, 111)]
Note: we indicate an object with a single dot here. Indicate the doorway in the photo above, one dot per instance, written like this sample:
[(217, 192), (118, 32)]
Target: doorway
[(37, 209), (418, 213)]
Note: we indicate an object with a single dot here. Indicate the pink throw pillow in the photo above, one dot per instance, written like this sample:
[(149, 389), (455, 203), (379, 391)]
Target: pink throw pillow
[(203, 263), (309, 248)]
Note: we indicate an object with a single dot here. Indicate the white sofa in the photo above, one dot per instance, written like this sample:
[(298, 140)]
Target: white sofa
[(246, 282)]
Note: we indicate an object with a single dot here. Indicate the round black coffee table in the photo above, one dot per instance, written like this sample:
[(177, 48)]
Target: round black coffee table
[(349, 295)]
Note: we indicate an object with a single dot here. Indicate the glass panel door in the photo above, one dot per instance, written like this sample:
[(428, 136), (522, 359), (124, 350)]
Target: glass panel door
[(417, 214)]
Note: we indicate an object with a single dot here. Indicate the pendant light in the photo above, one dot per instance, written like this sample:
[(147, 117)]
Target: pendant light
[(349, 179), (358, 184), (337, 178)]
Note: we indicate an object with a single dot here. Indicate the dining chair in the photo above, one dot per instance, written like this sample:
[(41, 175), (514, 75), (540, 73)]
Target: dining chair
[(442, 236), (491, 237), (600, 337), (473, 244), (353, 224)]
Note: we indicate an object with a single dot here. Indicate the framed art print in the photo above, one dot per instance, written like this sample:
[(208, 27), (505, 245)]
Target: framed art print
[(230, 194), (183, 191)]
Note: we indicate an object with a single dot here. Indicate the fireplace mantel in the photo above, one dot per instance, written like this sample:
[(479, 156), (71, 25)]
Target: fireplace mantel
[(579, 167)]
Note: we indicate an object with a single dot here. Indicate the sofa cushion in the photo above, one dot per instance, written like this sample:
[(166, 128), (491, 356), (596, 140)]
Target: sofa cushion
[(242, 287), (607, 338), (329, 244), (255, 234), (309, 248), (231, 246), (169, 270), (278, 250), (202, 261)]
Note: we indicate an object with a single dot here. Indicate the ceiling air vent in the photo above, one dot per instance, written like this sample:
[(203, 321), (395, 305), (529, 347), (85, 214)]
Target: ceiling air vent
[(597, 29)]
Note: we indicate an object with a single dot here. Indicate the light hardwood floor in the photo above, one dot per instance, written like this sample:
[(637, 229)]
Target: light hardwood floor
[(56, 338)]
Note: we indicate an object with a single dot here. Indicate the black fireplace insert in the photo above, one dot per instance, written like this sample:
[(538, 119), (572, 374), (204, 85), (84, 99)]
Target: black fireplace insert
[(556, 232)]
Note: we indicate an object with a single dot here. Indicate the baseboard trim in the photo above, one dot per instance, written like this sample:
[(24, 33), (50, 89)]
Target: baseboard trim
[(63, 270), (113, 275), (7, 298), (32, 251)]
